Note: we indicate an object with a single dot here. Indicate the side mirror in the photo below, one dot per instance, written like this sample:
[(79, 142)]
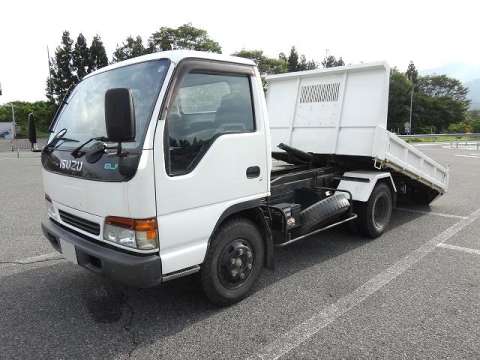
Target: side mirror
[(119, 115)]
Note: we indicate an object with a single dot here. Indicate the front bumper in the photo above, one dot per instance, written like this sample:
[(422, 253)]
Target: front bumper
[(133, 270)]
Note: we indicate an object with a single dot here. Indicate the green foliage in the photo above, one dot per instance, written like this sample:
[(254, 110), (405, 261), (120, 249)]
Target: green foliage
[(184, 37), (265, 64), (62, 75), (436, 111), (81, 57), (298, 63), (438, 102), (474, 117), (471, 124), (331, 61), (42, 110), (398, 101), (475, 126), (443, 86), (71, 63), (130, 48), (462, 127), (292, 60), (98, 55), (412, 73)]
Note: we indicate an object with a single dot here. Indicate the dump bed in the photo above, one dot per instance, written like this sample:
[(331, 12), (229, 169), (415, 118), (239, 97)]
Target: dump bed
[(343, 111)]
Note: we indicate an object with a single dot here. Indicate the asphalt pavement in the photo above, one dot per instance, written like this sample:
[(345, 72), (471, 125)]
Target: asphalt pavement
[(412, 293)]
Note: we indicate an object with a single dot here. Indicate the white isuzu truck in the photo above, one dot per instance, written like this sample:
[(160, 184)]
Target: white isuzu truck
[(176, 162)]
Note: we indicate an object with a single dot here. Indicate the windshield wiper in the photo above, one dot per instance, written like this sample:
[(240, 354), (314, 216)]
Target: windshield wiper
[(59, 109), (59, 136), (76, 152)]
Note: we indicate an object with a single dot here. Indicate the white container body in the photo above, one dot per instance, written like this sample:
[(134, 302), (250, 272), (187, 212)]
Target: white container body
[(343, 111)]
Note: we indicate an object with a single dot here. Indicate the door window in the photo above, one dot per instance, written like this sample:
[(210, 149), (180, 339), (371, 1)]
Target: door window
[(205, 107)]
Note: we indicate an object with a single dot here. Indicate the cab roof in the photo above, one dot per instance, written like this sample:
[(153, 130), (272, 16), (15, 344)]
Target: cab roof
[(175, 56)]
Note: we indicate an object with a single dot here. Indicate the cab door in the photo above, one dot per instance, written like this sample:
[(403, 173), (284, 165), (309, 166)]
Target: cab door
[(211, 153)]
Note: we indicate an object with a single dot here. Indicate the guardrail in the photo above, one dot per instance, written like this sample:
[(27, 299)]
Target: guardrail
[(465, 141), (413, 136)]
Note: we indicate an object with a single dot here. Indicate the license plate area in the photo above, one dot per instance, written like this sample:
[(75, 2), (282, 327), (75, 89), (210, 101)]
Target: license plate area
[(68, 251)]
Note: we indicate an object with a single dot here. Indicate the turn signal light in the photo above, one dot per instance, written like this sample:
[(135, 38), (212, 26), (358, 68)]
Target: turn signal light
[(136, 233)]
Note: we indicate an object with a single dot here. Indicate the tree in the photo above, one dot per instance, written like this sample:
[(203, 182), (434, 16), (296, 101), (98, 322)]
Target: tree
[(265, 64), (296, 62), (71, 63), (303, 64), (474, 117), (43, 111), (441, 85), (184, 37), (412, 73), (130, 48), (292, 62), (398, 101), (62, 76), (81, 57), (331, 61), (98, 55)]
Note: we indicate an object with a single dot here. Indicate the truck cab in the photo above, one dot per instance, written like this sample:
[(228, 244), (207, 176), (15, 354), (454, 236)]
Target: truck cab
[(199, 151), (161, 166)]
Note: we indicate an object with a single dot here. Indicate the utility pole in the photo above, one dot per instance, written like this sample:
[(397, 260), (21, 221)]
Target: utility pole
[(411, 108), (14, 128)]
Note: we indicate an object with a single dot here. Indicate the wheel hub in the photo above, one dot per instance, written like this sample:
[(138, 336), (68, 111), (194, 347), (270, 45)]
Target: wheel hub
[(236, 263), (380, 212)]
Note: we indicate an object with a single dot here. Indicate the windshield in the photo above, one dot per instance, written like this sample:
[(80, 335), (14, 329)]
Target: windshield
[(84, 114)]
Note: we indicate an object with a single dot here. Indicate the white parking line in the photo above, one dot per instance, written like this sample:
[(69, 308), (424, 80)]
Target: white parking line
[(459, 248), (431, 213), (300, 333), (469, 156)]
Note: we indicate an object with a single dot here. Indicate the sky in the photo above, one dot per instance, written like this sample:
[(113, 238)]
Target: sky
[(431, 33)]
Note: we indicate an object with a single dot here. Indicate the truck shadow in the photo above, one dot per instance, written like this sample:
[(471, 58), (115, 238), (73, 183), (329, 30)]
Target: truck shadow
[(62, 311)]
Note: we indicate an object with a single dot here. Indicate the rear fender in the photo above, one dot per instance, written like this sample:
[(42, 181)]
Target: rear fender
[(361, 183)]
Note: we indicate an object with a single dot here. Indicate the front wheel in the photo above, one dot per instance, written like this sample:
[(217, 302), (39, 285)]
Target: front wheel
[(374, 215), (233, 262)]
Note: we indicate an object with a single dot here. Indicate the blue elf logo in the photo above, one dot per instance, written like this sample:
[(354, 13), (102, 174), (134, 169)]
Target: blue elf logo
[(110, 166)]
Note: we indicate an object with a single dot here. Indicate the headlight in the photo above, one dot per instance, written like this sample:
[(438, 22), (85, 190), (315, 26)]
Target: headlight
[(137, 234)]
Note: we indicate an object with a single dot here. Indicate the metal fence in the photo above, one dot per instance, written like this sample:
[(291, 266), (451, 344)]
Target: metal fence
[(465, 141), (459, 135), (20, 145)]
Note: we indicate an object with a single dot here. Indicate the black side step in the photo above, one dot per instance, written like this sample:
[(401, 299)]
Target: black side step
[(291, 241)]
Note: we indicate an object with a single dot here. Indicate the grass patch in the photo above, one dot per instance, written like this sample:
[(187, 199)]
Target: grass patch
[(445, 138)]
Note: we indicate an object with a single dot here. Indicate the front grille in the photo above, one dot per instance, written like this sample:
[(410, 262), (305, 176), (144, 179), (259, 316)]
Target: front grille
[(82, 224)]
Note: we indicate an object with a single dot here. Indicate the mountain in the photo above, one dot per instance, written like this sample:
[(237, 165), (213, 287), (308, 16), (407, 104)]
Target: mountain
[(469, 74), (463, 72)]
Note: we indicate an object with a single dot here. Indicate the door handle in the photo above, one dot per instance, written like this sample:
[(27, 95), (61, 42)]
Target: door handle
[(253, 172)]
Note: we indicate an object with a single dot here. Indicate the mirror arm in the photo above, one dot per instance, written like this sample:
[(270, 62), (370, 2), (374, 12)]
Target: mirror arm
[(119, 149)]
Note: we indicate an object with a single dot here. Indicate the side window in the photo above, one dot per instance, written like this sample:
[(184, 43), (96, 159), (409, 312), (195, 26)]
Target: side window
[(204, 107)]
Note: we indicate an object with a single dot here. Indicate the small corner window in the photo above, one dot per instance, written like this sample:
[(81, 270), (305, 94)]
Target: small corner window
[(204, 107)]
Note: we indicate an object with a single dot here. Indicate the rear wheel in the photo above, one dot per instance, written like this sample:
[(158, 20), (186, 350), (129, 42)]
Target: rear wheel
[(233, 263), (374, 215)]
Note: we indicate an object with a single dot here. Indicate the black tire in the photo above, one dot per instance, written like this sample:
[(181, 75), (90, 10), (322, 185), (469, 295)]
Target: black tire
[(374, 215), (323, 211), (233, 241)]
